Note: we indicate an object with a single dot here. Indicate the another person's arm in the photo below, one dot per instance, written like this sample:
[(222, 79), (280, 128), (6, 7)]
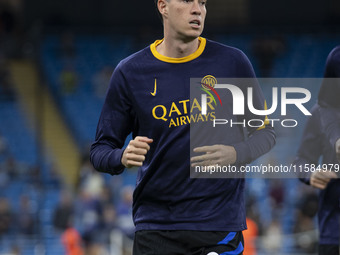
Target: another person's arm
[(309, 153), (330, 122), (329, 100)]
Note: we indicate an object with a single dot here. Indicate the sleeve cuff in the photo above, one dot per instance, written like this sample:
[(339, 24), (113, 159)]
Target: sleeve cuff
[(115, 163), (305, 178)]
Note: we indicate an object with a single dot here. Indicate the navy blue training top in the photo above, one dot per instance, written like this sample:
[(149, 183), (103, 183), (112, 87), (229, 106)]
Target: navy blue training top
[(149, 95), (318, 141), (315, 145)]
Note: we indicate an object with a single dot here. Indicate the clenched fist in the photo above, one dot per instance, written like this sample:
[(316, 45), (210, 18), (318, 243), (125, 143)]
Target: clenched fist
[(134, 154)]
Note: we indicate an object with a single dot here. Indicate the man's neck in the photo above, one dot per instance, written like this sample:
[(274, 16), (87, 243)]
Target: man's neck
[(177, 48)]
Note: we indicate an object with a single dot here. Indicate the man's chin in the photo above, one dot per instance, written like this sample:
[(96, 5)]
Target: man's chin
[(191, 36)]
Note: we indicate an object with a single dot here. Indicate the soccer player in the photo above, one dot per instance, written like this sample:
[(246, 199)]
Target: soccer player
[(149, 95), (315, 144)]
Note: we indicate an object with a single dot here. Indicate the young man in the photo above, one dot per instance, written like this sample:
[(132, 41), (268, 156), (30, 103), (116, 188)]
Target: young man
[(315, 144), (149, 95)]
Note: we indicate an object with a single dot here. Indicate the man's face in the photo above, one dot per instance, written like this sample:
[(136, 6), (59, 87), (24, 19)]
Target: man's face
[(184, 19)]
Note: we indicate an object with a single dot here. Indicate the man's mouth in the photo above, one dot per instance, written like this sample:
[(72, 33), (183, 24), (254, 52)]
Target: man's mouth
[(195, 23)]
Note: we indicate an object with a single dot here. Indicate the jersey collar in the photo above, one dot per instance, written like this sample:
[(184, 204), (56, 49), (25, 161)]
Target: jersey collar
[(192, 56)]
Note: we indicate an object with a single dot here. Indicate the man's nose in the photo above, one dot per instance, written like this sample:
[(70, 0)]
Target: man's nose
[(196, 8)]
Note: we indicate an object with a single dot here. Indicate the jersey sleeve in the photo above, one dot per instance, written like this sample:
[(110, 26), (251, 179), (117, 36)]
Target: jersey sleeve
[(328, 97), (115, 124), (260, 140), (330, 124), (310, 148)]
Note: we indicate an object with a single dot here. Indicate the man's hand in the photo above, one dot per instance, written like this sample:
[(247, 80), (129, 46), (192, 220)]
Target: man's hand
[(337, 149), (134, 154), (320, 179), (222, 155)]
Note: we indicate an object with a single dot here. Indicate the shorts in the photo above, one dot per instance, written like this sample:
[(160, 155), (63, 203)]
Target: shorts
[(186, 242)]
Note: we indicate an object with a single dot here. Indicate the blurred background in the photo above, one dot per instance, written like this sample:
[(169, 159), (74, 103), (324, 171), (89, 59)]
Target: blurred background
[(56, 59)]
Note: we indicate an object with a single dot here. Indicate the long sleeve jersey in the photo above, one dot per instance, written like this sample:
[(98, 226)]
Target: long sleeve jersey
[(149, 95), (315, 145), (329, 97)]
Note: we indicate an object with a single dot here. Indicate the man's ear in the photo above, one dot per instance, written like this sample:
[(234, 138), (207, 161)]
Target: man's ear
[(163, 7)]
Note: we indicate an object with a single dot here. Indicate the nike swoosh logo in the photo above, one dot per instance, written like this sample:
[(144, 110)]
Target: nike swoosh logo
[(155, 89)]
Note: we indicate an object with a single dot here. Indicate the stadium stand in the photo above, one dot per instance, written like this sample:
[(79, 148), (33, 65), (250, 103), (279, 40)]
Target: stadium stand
[(80, 104)]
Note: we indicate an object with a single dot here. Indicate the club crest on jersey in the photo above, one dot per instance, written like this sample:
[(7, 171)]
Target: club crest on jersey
[(208, 84)]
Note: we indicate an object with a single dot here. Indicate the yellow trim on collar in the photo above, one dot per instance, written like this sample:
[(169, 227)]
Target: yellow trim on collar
[(192, 56)]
